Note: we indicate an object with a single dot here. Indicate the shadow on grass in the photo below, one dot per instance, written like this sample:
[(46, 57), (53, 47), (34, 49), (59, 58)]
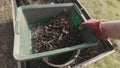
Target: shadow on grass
[(6, 45)]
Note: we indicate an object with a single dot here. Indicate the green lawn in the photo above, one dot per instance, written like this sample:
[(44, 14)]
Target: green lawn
[(105, 10)]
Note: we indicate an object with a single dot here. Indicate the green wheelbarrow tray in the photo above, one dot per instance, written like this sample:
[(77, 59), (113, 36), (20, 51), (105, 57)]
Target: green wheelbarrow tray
[(28, 16)]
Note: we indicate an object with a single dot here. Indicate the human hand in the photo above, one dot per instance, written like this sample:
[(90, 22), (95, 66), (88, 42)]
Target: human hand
[(95, 26)]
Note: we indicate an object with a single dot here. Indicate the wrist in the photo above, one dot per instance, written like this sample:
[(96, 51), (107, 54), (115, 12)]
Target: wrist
[(97, 28), (103, 30)]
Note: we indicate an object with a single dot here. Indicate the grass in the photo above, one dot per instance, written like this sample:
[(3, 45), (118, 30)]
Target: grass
[(5, 10), (105, 10)]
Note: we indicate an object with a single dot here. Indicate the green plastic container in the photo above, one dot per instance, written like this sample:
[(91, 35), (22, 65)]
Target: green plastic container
[(27, 16)]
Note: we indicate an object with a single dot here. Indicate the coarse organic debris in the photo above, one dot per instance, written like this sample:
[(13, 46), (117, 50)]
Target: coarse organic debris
[(58, 33)]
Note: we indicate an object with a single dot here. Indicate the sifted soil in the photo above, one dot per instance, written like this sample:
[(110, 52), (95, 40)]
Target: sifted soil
[(37, 2), (88, 53)]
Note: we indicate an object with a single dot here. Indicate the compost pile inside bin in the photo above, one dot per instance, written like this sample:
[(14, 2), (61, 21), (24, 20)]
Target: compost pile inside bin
[(59, 32), (35, 2), (88, 53)]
